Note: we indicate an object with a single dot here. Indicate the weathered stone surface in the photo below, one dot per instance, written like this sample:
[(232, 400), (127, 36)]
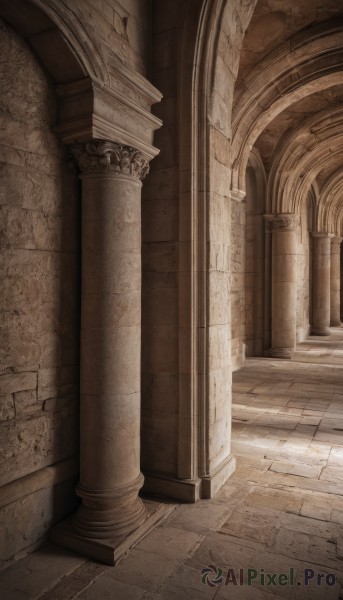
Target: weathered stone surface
[(7, 409), (25, 522), (17, 382), (31, 444)]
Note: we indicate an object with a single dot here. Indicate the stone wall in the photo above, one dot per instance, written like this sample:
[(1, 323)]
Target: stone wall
[(39, 304), (124, 27)]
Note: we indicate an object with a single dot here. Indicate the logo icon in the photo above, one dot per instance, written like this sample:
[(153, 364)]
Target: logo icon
[(212, 575)]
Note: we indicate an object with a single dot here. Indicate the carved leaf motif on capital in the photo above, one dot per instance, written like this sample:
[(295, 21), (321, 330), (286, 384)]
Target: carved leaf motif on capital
[(335, 244), (108, 157), (290, 221)]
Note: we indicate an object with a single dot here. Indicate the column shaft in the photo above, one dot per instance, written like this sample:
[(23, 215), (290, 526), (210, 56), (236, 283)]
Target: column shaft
[(110, 476), (321, 284), (284, 284), (335, 282)]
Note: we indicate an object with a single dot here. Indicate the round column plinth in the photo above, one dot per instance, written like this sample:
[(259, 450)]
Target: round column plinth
[(109, 513), (320, 331), (286, 353)]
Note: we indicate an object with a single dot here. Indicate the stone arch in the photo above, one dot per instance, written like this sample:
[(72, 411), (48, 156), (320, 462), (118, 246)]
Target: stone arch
[(256, 164), (57, 37), (211, 40), (308, 62), (299, 158), (330, 210)]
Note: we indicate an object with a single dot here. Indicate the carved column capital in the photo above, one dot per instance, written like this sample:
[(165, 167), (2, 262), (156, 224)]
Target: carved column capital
[(284, 221), (101, 156), (336, 245), (267, 219)]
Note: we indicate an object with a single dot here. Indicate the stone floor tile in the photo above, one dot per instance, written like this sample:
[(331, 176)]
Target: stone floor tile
[(37, 573), (187, 584), (327, 436), (72, 584), (317, 510), (144, 569), (200, 518), (222, 551), (172, 542), (336, 457), (279, 421), (275, 499), (337, 516), (302, 470), (106, 588), (230, 592), (253, 523), (332, 474)]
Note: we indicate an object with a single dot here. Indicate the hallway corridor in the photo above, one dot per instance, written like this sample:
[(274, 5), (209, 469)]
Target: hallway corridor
[(281, 512)]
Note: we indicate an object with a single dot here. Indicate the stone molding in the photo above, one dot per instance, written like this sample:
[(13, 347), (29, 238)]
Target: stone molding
[(101, 156), (38, 480), (282, 221), (322, 234), (89, 110)]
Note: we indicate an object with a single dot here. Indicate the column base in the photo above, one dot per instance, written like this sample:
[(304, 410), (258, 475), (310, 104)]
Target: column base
[(111, 513), (212, 484), (109, 551), (190, 490), (320, 331), (186, 490), (285, 353), (335, 324)]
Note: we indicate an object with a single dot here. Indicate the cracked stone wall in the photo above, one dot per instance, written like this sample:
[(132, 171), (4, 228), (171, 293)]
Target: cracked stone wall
[(39, 304)]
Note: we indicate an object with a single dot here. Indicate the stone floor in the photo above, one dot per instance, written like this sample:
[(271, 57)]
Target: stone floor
[(281, 513)]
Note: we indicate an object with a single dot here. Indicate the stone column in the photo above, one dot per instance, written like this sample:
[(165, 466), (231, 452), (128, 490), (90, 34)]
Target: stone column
[(321, 284), (335, 282), (110, 476), (284, 284), (267, 282)]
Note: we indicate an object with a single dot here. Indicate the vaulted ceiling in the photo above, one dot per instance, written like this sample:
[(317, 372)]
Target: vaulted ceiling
[(289, 105)]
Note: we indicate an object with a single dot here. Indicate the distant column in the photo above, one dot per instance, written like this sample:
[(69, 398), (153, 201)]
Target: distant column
[(321, 283), (284, 229), (335, 282)]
